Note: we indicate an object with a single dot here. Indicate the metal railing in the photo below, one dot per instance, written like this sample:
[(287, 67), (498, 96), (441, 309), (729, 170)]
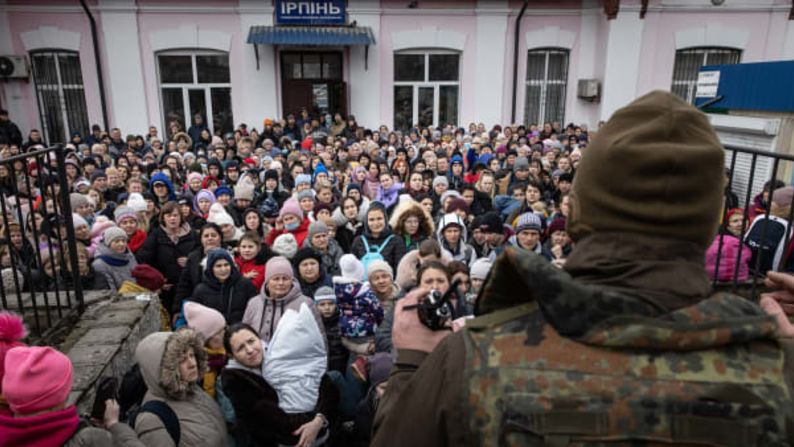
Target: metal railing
[(747, 203), (38, 249)]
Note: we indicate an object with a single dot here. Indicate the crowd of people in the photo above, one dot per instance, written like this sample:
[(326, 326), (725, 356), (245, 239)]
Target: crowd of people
[(245, 235), (279, 256)]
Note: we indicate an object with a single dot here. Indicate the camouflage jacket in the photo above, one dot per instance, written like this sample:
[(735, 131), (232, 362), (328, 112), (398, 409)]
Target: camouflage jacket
[(582, 365)]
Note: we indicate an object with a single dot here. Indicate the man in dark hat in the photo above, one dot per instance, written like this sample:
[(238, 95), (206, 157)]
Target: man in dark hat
[(627, 344)]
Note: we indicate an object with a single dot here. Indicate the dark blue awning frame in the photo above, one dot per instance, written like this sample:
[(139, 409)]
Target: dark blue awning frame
[(311, 36)]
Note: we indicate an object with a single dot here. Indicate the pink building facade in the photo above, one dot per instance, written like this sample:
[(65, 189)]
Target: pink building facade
[(431, 61)]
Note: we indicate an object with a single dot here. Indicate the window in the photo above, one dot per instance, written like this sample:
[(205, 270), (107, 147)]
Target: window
[(688, 63), (547, 80), (60, 94), (196, 83), (305, 65), (426, 88)]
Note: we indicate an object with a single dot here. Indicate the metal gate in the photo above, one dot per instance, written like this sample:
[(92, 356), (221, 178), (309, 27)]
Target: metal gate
[(41, 276)]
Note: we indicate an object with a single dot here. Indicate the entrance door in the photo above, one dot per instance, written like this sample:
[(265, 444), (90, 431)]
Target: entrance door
[(312, 80)]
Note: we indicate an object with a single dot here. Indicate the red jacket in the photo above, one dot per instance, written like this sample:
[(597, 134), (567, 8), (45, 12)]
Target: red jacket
[(251, 266), (300, 233)]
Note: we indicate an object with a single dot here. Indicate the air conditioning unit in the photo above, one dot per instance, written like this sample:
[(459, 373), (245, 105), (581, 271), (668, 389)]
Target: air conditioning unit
[(14, 67), (588, 89)]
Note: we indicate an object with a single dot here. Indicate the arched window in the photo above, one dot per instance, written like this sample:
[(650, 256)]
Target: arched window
[(196, 83), (426, 88), (546, 84), (688, 62), (60, 94)]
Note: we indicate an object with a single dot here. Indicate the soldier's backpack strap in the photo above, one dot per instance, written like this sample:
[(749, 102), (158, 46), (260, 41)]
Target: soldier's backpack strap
[(501, 316)]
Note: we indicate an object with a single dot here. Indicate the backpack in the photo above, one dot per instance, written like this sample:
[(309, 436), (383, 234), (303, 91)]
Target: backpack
[(373, 253), (163, 411)]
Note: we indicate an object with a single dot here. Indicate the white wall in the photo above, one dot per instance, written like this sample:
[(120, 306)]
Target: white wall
[(364, 84), (490, 39), (258, 98), (123, 65), (622, 62)]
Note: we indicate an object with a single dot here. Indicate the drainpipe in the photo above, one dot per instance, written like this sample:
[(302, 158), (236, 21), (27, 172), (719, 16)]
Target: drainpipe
[(515, 60), (100, 78)]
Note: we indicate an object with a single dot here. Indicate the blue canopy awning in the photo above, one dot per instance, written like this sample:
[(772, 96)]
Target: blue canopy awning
[(311, 36)]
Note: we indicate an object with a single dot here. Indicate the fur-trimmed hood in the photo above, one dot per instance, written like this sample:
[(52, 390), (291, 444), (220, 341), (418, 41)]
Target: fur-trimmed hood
[(159, 355), (408, 207)]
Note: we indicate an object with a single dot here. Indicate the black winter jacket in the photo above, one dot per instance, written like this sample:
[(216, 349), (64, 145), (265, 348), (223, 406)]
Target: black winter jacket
[(161, 253), (229, 298)]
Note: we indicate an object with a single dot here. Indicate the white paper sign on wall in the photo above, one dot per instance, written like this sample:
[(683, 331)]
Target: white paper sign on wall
[(708, 82)]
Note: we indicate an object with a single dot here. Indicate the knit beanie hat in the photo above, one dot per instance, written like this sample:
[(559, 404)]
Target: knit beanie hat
[(324, 293), (528, 221), (271, 174), (244, 191), (480, 268), (204, 320), (286, 245), (123, 212), (12, 329), (36, 378), (490, 222), (221, 190), (379, 265), (352, 268), (305, 194), (291, 207), (278, 265), (194, 176), (219, 216), (98, 174), (112, 234), (78, 221), (148, 277), (440, 180), (301, 179), (521, 164), (782, 196), (557, 224), (317, 227), (76, 200), (137, 202), (656, 168), (304, 254)]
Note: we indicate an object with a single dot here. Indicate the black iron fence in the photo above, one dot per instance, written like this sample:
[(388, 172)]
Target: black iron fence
[(40, 258), (763, 241)]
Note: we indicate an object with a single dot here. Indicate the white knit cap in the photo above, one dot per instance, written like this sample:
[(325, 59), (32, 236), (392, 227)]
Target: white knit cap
[(219, 216), (352, 268), (379, 266), (480, 268)]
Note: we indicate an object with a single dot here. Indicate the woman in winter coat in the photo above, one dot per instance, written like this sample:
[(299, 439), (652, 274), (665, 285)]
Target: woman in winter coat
[(166, 249), (172, 363), (202, 202), (223, 288), (256, 402), (378, 237), (210, 237), (280, 292), (113, 261), (411, 223)]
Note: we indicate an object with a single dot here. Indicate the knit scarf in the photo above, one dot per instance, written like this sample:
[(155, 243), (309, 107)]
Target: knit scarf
[(53, 428), (114, 261), (137, 240)]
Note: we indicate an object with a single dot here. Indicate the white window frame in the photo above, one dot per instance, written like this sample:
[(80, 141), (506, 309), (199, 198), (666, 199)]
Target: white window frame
[(60, 87), (545, 82), (435, 85), (691, 85), (207, 87)]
